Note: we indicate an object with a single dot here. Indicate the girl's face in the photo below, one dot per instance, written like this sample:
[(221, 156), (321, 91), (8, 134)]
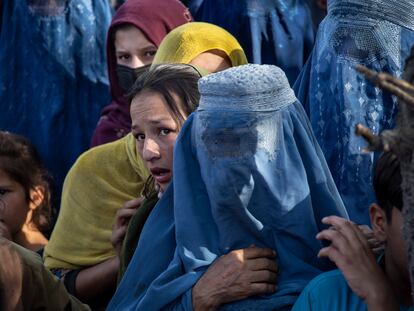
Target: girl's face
[(14, 205), (132, 48), (155, 131)]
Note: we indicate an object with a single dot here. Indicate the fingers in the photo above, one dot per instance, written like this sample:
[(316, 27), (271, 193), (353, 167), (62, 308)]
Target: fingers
[(258, 264), (123, 216), (335, 221), (347, 229), (135, 203), (378, 250), (361, 236), (366, 230), (126, 213), (332, 253), (262, 289), (253, 252), (263, 276), (375, 245), (347, 241), (118, 235), (338, 240)]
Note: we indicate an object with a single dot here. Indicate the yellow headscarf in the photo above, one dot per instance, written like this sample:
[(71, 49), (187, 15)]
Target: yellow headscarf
[(187, 41), (98, 184)]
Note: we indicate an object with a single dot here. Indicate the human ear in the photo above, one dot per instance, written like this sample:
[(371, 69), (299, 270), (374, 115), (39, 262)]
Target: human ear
[(37, 196), (378, 222)]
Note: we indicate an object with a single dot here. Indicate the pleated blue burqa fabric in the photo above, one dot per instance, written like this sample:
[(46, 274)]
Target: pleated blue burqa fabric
[(53, 80), (247, 170), (377, 34), (276, 32)]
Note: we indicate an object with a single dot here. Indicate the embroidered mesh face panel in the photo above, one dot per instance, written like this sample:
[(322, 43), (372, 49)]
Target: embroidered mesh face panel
[(237, 130), (399, 12), (47, 7), (241, 137)]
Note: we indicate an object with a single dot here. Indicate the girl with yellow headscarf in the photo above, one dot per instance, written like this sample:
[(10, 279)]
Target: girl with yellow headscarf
[(201, 44)]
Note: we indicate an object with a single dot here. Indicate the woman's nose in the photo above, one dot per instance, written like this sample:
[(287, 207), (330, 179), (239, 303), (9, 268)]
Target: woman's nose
[(151, 150), (136, 62)]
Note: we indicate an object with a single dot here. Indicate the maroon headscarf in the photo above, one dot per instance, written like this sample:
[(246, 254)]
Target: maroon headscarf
[(155, 18)]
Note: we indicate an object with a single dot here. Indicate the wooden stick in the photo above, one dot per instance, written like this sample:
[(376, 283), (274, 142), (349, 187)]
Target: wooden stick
[(386, 76), (375, 143), (400, 88)]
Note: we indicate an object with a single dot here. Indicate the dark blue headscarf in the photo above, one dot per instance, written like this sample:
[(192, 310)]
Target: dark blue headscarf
[(53, 80), (247, 170), (374, 33)]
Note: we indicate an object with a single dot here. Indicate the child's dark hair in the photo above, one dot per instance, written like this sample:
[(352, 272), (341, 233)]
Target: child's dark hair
[(387, 183), (166, 80), (20, 160)]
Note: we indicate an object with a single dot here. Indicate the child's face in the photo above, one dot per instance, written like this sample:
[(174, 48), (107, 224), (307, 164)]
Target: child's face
[(14, 205), (155, 131), (132, 48)]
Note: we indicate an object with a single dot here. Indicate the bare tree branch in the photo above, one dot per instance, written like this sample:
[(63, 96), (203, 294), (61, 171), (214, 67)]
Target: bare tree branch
[(375, 143), (400, 88)]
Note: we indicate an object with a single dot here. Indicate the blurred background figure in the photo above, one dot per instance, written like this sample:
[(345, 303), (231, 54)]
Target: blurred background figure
[(53, 80), (318, 11), (25, 211), (278, 32), (378, 35)]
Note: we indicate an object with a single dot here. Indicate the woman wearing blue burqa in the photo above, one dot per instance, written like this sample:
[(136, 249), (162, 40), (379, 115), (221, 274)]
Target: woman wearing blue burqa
[(247, 170), (377, 34), (277, 32), (53, 80)]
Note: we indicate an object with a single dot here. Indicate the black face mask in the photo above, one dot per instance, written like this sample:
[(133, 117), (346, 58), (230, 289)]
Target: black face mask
[(127, 76)]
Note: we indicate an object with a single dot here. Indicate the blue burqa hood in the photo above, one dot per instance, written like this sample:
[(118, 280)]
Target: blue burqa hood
[(247, 170)]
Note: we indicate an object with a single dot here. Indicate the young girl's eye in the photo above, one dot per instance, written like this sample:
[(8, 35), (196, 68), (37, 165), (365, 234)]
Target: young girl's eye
[(123, 57), (140, 137), (150, 53), (3, 191), (165, 132)]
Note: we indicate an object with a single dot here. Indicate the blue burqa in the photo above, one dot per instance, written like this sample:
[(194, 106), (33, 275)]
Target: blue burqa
[(53, 80), (247, 170), (377, 34), (277, 32)]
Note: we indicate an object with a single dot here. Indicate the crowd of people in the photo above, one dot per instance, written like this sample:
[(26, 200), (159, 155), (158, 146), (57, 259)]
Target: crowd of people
[(205, 160)]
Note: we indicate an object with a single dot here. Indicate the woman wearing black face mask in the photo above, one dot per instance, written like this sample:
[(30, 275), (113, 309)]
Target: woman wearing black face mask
[(133, 39)]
